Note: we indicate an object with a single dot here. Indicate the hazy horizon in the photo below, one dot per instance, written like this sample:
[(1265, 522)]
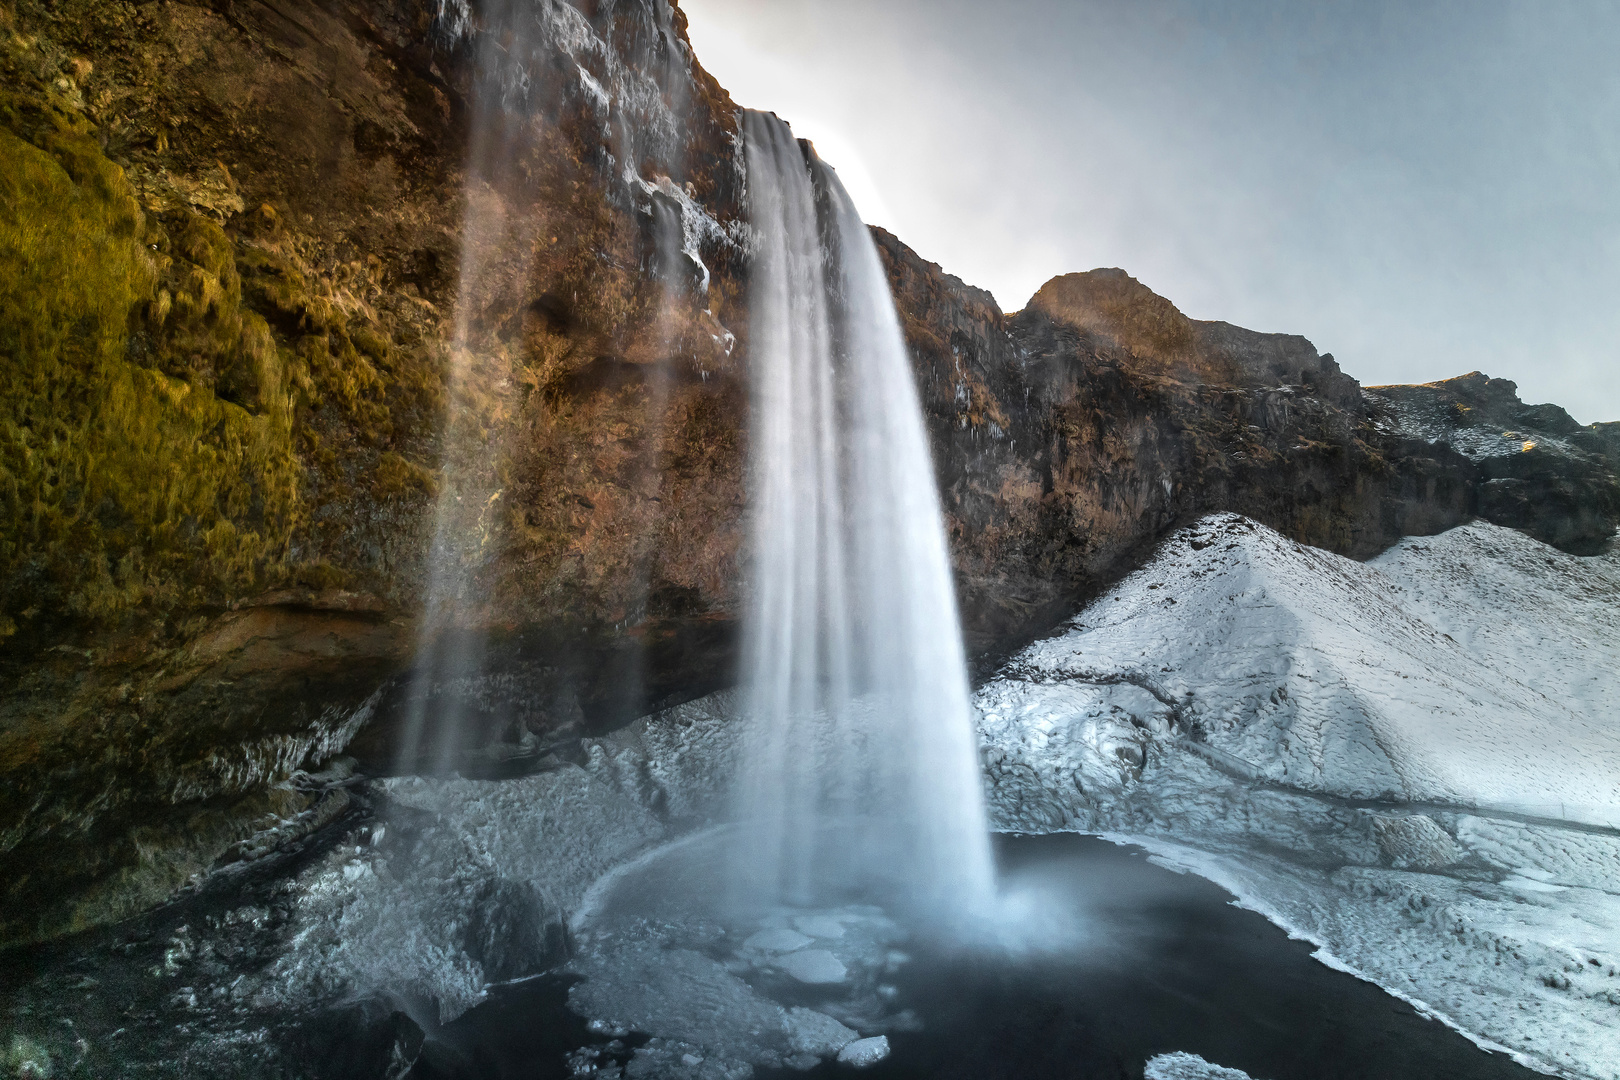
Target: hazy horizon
[(1421, 189)]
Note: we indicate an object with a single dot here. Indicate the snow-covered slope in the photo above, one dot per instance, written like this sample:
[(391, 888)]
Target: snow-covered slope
[(1413, 762), (1476, 668)]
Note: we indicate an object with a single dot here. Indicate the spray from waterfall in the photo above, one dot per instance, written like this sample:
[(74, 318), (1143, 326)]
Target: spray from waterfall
[(532, 100), (451, 644), (860, 773)]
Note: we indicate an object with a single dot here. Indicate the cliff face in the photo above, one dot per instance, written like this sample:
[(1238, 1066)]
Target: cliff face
[(233, 238), (1070, 436), (1538, 469)]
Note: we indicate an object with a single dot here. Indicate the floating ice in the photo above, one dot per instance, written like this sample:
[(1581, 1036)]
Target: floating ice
[(863, 1053), (1184, 1066), (812, 1032), (778, 939), (821, 926), (814, 966)]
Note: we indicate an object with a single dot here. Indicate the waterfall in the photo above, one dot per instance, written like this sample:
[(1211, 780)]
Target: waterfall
[(860, 770)]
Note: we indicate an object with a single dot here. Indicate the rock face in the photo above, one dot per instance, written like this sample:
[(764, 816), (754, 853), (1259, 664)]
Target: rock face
[(234, 245), (231, 239), (1075, 433), (1539, 470)]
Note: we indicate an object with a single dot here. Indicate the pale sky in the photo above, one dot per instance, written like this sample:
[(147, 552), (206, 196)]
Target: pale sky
[(1421, 188)]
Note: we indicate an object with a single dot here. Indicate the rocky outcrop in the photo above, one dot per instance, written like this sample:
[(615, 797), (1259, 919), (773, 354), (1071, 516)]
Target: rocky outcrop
[(1073, 435), (250, 256), (1539, 470)]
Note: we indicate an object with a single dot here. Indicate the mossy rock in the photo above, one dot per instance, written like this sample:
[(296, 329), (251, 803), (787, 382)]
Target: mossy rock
[(122, 484)]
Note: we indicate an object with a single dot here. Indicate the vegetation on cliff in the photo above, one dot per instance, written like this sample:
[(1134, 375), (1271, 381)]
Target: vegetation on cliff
[(121, 484)]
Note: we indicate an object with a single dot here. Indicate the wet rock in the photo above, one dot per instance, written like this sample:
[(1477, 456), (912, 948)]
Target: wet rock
[(512, 931), (372, 1037)]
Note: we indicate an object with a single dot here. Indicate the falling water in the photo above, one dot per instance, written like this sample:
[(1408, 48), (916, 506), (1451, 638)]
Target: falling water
[(861, 770), (451, 644), (527, 56)]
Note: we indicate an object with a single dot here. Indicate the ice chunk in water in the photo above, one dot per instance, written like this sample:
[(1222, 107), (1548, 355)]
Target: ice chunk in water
[(780, 940), (811, 1032), (821, 926), (865, 1052), (813, 966)]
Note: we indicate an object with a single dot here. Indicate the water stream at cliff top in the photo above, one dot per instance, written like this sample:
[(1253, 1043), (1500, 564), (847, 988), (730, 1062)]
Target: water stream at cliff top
[(860, 775)]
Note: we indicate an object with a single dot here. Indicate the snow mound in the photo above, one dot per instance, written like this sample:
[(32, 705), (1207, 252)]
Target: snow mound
[(1472, 669), (1412, 763), (1182, 1066)]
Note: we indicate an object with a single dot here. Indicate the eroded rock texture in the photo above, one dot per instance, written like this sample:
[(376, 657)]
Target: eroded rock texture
[(1539, 470), (235, 242)]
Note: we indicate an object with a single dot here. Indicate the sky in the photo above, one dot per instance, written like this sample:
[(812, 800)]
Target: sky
[(1421, 188)]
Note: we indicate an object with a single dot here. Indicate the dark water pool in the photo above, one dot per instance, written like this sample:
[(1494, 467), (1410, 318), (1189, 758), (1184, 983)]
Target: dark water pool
[(1121, 960), (1163, 962)]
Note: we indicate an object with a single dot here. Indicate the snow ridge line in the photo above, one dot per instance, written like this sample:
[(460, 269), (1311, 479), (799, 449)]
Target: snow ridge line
[(1237, 768)]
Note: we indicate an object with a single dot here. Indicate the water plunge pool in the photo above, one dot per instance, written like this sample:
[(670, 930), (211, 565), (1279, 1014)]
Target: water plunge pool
[(1103, 962)]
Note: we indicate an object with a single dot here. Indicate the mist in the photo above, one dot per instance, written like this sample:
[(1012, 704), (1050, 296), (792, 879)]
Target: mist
[(1421, 189)]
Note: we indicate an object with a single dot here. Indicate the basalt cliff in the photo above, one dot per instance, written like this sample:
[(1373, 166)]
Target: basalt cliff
[(232, 241)]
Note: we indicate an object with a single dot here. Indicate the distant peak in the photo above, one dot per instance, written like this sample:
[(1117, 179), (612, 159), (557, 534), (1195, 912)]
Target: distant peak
[(1110, 303)]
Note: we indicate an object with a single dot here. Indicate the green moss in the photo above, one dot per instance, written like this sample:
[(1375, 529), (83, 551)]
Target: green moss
[(332, 361), (396, 475), (122, 484)]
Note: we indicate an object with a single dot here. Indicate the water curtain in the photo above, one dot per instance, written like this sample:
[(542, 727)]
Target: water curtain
[(860, 773)]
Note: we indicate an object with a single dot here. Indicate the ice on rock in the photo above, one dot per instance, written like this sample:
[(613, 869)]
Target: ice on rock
[(1184, 1066), (777, 940), (863, 1053), (397, 916), (676, 994), (821, 926), (671, 1059), (814, 966), (812, 1032)]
